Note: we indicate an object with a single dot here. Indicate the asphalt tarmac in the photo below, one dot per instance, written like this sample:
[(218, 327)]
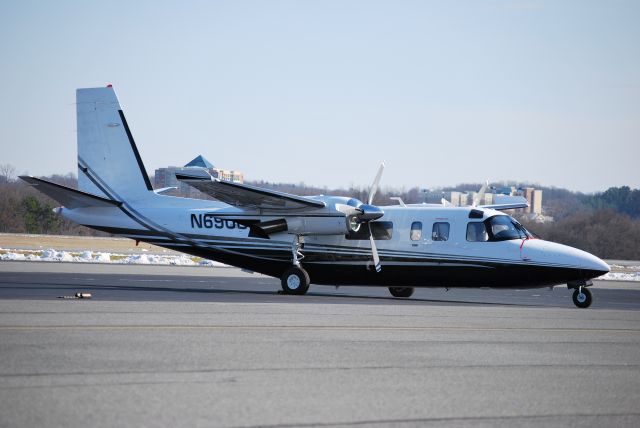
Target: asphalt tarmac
[(220, 347)]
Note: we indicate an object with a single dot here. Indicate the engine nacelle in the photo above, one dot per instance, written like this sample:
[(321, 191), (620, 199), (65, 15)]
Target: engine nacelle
[(317, 225)]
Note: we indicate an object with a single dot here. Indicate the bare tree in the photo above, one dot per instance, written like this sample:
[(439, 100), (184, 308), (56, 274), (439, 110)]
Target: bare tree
[(7, 172)]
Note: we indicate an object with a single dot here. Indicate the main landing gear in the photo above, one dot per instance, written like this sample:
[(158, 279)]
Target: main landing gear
[(295, 280), (582, 297), (401, 291)]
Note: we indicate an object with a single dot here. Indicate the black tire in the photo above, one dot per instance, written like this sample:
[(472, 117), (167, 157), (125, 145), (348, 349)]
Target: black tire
[(401, 291), (584, 299), (295, 280)]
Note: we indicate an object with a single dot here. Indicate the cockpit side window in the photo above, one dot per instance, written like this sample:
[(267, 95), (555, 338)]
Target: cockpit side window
[(477, 232), (416, 230), (440, 231)]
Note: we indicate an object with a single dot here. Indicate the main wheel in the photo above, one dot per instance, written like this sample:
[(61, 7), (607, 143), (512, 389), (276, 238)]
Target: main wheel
[(401, 291), (295, 280), (582, 297)]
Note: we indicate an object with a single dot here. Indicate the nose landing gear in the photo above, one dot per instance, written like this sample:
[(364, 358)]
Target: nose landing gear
[(582, 297)]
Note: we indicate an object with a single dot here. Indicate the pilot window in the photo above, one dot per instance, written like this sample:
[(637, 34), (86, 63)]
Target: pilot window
[(381, 231), (503, 228), (440, 231), (477, 232), (416, 230)]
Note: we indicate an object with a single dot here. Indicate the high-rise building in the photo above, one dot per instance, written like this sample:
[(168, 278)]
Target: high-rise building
[(527, 192), (536, 202)]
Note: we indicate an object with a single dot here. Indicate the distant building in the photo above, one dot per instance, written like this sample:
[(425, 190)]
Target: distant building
[(536, 202), (534, 198), (166, 177), (532, 195), (527, 192)]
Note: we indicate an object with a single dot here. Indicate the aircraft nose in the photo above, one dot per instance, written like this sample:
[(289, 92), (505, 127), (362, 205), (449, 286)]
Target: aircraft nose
[(594, 264), (591, 265), (597, 264)]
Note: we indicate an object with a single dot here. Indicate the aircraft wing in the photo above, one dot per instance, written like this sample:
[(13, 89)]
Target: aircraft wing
[(68, 197), (507, 203), (245, 196)]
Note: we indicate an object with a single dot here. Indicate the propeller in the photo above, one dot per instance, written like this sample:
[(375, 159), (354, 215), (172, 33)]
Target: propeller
[(371, 212), (358, 213), (478, 196), (376, 181), (374, 251)]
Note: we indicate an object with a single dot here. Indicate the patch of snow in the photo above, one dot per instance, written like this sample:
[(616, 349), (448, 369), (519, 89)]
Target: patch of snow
[(51, 255), (12, 256), (103, 258), (621, 276)]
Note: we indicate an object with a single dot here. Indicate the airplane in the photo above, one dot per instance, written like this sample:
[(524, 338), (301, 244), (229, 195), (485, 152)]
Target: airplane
[(324, 240)]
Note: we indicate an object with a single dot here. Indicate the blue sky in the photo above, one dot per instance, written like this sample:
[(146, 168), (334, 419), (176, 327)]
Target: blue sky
[(322, 91)]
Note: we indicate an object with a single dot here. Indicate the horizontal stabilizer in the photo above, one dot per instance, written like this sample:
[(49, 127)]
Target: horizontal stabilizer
[(68, 197), (243, 195)]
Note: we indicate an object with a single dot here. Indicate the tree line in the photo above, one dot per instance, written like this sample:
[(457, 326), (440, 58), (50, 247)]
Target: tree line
[(606, 223), (25, 210)]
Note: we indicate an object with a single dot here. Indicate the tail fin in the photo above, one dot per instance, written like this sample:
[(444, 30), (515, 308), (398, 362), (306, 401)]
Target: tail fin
[(108, 161)]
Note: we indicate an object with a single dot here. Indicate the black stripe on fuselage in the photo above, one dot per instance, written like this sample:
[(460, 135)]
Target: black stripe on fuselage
[(316, 253), (143, 171), (331, 268), (109, 194), (434, 275)]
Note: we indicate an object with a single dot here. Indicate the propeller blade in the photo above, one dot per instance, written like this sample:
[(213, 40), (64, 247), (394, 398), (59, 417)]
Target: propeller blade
[(478, 197), (374, 251), (376, 181)]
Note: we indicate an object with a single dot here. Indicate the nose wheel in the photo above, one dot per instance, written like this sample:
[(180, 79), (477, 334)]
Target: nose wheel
[(582, 297)]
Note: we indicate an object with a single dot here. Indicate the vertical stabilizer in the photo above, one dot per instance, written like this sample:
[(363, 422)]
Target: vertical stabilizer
[(108, 160)]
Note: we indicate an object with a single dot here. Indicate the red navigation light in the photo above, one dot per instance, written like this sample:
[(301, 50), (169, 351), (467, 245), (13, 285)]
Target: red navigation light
[(109, 85)]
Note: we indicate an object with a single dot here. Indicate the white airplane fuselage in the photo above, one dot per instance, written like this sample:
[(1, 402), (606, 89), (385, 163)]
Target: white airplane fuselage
[(208, 229)]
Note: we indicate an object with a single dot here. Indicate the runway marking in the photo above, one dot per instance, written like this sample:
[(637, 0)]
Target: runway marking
[(311, 327), (473, 419)]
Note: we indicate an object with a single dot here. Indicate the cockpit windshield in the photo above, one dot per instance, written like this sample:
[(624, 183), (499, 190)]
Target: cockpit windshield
[(504, 227), (496, 228)]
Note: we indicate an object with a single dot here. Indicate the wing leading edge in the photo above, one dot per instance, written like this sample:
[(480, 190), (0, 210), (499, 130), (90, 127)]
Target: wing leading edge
[(246, 196)]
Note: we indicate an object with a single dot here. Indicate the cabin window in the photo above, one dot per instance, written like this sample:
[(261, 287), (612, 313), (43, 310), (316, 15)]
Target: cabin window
[(381, 231), (416, 230), (440, 231), (477, 232)]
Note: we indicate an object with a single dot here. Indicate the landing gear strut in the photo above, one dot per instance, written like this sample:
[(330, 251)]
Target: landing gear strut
[(401, 291), (295, 280), (582, 297)]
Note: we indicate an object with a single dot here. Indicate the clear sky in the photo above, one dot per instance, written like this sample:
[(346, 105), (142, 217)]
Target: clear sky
[(321, 91)]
